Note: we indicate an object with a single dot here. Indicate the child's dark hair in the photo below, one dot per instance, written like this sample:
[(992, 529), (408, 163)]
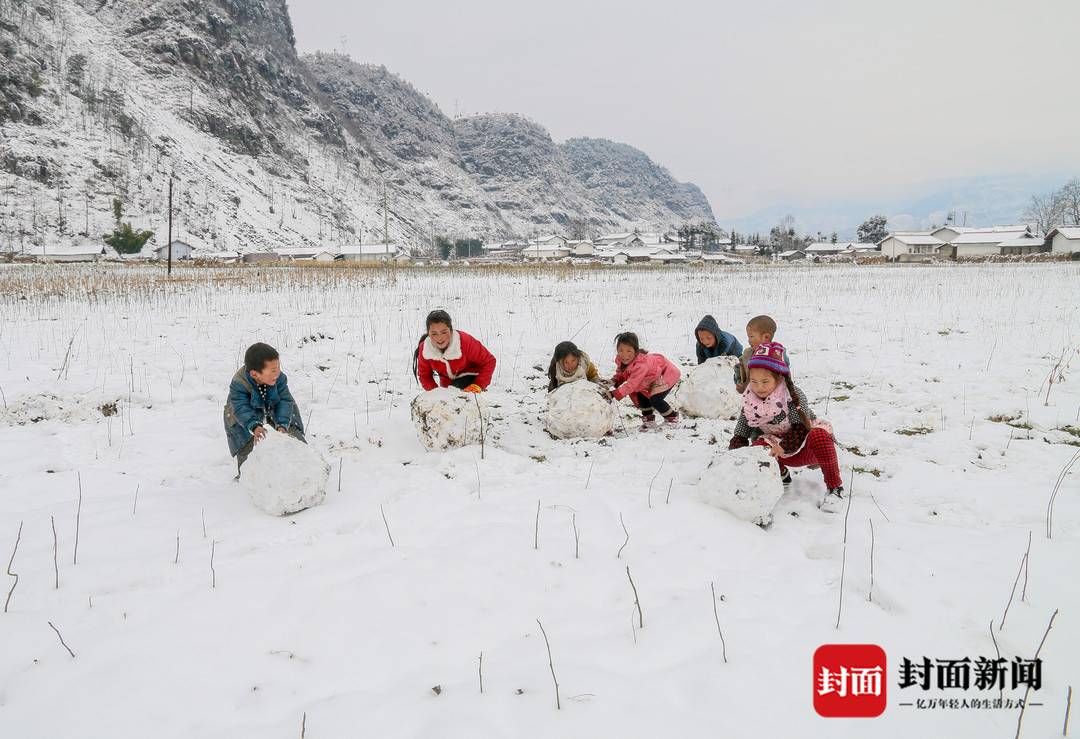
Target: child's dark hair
[(563, 350), (630, 339), (795, 397), (435, 316), (438, 316), (257, 355)]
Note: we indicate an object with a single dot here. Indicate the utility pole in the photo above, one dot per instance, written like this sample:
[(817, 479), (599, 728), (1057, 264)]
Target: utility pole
[(386, 222), (168, 269)]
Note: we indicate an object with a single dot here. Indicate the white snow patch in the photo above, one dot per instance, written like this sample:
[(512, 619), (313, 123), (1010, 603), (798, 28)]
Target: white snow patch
[(706, 391), (577, 410), (49, 407), (744, 482), (448, 418), (284, 475)]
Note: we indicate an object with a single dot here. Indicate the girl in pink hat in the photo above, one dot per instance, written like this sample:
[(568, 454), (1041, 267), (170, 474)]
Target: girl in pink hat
[(775, 414)]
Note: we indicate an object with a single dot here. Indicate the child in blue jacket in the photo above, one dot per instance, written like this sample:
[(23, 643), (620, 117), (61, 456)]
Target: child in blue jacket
[(712, 342), (259, 394)]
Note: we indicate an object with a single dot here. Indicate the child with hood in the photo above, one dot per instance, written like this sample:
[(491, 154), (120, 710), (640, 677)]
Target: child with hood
[(712, 342)]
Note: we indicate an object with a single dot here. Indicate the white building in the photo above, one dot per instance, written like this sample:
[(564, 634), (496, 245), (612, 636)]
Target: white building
[(637, 253), (546, 252), (308, 253), (824, 249), (909, 243), (980, 243), (1064, 239), (1027, 243), (667, 256), (720, 259), (504, 249), (180, 250), (368, 253), (619, 240), (85, 252), (949, 233), (792, 255), (583, 248)]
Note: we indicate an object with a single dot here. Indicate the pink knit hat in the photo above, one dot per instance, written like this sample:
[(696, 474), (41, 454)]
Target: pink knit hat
[(770, 355)]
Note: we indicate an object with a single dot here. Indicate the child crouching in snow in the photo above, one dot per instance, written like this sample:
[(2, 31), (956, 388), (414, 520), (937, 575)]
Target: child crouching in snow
[(646, 378), (258, 394), (570, 364), (775, 414)]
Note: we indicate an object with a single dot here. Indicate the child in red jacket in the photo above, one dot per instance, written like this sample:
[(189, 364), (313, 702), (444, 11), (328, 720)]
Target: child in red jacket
[(646, 378), (457, 358)]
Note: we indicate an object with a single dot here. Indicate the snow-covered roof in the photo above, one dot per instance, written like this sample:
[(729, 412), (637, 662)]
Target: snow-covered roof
[(635, 251), (914, 238), (583, 242), (88, 248), (301, 252), (745, 247), (1022, 240), (220, 255), (987, 237), (550, 239), (364, 249), (665, 256), (824, 246), (791, 253), (1069, 232), (721, 258)]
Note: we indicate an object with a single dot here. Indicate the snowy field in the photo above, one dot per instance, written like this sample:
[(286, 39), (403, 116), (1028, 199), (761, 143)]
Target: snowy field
[(192, 614)]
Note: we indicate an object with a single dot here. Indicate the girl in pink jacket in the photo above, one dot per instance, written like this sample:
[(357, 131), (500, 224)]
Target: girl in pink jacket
[(646, 378)]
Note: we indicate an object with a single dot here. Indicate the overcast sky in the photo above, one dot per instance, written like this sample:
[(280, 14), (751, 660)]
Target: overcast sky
[(760, 102)]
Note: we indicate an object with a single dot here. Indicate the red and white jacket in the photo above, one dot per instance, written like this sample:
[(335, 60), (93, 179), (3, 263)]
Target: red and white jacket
[(647, 373), (463, 357)]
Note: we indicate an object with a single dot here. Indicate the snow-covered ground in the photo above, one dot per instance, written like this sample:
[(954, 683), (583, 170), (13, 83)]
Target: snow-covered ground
[(322, 615)]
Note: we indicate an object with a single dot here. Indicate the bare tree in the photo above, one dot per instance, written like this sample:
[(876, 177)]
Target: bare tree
[(1045, 211), (1069, 199)]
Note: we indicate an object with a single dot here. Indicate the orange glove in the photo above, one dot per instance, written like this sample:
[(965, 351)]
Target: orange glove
[(474, 388)]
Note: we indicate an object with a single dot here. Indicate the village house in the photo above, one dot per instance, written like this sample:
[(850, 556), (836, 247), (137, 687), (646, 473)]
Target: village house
[(1026, 243), (87, 251), (368, 253), (308, 253), (909, 245), (180, 250), (1064, 239), (978, 243), (584, 248), (619, 240)]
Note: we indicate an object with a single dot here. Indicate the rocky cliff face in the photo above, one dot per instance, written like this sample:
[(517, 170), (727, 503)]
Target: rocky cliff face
[(103, 100)]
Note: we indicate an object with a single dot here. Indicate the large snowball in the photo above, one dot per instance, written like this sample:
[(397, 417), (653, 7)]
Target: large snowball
[(576, 410), (283, 475), (707, 391), (447, 418), (744, 482)]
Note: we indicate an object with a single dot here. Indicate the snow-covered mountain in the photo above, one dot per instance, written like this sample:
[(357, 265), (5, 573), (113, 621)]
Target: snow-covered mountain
[(101, 100)]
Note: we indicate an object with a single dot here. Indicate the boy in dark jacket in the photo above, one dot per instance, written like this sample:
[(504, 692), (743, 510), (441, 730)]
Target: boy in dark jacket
[(712, 342), (259, 394)]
